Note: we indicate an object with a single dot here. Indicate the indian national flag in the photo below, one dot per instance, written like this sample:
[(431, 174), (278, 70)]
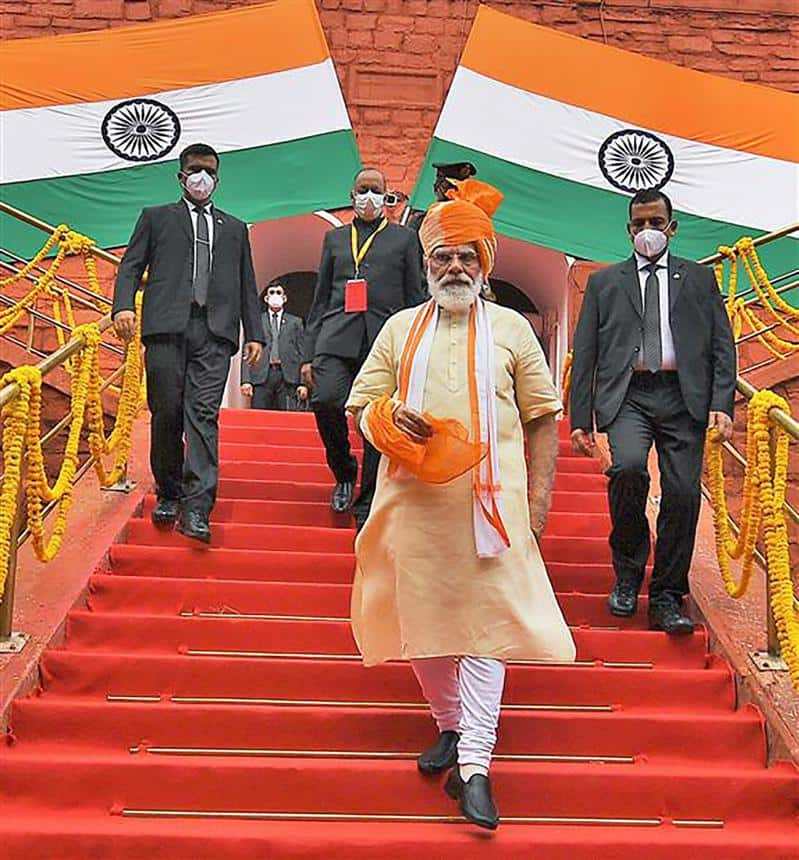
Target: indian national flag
[(92, 124), (569, 129)]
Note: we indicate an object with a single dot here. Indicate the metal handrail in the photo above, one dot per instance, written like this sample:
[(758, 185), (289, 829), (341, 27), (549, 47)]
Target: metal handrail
[(760, 240), (40, 315), (33, 221), (86, 298)]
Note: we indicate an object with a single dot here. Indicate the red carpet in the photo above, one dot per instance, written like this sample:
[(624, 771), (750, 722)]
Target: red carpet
[(251, 730)]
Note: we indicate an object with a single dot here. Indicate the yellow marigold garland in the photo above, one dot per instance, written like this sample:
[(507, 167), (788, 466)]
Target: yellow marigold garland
[(15, 422), (57, 238), (739, 314), (22, 435), (765, 482), (69, 243)]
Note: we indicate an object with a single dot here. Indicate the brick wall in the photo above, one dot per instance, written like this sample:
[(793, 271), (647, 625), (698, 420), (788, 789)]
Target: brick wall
[(396, 58)]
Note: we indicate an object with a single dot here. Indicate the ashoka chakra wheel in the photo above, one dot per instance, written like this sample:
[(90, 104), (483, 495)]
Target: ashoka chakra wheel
[(141, 129), (632, 160)]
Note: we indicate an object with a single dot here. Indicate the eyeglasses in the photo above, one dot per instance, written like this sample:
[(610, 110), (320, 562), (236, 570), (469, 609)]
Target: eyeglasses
[(445, 258)]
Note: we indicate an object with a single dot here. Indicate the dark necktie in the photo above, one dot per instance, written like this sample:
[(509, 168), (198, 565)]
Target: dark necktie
[(653, 349), (202, 259), (274, 352)]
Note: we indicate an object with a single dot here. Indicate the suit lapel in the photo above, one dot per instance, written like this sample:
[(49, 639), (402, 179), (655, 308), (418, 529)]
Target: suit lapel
[(220, 224), (632, 285), (676, 279), (182, 212)]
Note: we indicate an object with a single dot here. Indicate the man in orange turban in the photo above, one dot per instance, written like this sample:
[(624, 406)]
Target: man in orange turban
[(449, 574)]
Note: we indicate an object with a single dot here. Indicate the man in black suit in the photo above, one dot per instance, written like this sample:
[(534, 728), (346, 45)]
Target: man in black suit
[(274, 383), (369, 270), (200, 287), (654, 363)]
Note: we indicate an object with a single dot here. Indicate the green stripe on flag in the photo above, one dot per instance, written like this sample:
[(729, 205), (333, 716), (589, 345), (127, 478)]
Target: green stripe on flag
[(582, 221), (256, 184)]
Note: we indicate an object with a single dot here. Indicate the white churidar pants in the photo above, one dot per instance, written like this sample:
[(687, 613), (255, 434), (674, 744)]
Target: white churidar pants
[(464, 695)]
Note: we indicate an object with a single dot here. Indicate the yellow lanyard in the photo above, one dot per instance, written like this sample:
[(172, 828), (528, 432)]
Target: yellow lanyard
[(357, 255)]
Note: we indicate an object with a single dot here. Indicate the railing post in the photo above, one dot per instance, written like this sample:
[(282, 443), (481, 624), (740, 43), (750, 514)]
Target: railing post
[(11, 642), (773, 638), (771, 659)]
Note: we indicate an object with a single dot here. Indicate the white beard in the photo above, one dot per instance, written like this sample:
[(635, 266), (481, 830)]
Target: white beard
[(455, 295)]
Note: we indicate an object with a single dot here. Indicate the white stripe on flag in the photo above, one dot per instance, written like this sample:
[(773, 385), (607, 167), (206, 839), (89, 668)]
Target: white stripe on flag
[(65, 140), (562, 140)]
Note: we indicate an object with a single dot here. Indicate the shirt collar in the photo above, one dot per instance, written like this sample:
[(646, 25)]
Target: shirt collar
[(642, 262), (206, 207)]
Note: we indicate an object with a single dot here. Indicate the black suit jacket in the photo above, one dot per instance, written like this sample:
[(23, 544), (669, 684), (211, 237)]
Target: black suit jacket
[(607, 342), (290, 341), (163, 243), (392, 271)]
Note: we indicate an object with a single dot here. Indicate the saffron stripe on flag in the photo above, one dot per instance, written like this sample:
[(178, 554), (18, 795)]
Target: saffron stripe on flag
[(163, 56), (644, 92)]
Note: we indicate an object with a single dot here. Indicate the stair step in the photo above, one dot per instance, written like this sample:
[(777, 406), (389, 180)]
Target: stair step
[(171, 596), (302, 449), (734, 737), (102, 632), (72, 672), (235, 839), (250, 511), (303, 472), (60, 779), (283, 566)]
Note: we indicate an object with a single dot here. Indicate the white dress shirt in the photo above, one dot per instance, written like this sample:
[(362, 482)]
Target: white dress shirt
[(669, 356), (209, 218)]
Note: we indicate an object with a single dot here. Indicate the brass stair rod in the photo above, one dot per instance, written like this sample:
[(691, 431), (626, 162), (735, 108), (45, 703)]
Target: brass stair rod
[(33, 221)]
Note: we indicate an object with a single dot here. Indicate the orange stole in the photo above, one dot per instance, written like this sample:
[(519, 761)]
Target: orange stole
[(447, 455)]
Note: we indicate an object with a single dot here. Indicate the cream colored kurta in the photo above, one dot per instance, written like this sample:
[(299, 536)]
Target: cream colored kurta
[(420, 590)]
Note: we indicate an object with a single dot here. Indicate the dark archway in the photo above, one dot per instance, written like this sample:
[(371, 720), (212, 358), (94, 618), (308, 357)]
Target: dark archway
[(299, 287)]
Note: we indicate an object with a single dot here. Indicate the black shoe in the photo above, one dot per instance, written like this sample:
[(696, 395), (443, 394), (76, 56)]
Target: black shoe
[(194, 525), (666, 614), (474, 798), (623, 600), (441, 756), (165, 512), (341, 500)]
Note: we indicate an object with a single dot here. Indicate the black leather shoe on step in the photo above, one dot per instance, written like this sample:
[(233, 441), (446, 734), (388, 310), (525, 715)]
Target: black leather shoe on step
[(165, 512), (441, 756), (667, 615), (341, 500), (194, 525), (623, 600), (474, 798)]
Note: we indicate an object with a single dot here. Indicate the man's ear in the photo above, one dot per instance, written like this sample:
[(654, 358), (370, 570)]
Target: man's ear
[(674, 226)]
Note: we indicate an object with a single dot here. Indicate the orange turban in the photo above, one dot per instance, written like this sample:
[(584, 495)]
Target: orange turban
[(464, 219)]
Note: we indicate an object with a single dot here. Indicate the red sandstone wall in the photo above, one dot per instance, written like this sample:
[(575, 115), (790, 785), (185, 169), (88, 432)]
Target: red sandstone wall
[(396, 58)]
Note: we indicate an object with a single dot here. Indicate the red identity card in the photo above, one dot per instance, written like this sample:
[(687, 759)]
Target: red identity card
[(355, 296)]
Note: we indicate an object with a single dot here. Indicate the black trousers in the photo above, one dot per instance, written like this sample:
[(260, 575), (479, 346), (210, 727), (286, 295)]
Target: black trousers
[(653, 412), (271, 394), (186, 377), (333, 378)]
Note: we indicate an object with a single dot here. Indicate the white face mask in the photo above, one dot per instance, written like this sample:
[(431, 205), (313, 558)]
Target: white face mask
[(650, 243), (363, 202), (275, 302), (200, 185)]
